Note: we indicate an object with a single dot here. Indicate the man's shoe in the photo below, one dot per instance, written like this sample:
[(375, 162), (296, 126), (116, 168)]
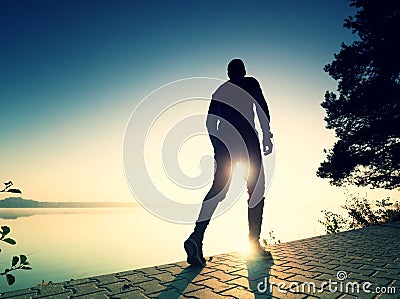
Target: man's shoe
[(259, 252), (194, 253)]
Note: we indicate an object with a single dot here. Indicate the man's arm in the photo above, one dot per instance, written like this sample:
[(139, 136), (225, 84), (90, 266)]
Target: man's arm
[(212, 122), (263, 116)]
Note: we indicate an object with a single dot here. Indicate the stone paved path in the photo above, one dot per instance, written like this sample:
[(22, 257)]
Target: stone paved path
[(361, 263)]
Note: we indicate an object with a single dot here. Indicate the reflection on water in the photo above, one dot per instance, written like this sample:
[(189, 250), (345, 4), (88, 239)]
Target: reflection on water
[(74, 243), (8, 213)]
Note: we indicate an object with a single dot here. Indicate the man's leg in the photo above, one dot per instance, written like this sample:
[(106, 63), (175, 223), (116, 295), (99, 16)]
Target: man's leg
[(256, 191), (222, 177)]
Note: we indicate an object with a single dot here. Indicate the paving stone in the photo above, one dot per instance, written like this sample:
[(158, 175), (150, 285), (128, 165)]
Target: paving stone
[(288, 295), (97, 295), (105, 279), (385, 296), (294, 259), (236, 262), (199, 278), (241, 282), (151, 271), (164, 277), (298, 278), (165, 266), (243, 272), (374, 280), (167, 294), (182, 264), (281, 275), (152, 286), (391, 269), (364, 295), (216, 285), (359, 271), (384, 275), (206, 293), (52, 289), (223, 267), (24, 293), (84, 289), (208, 270), (367, 255), (320, 271), (396, 284), (238, 255), (73, 282), (134, 278), (280, 268), (184, 286), (130, 295), (54, 296), (326, 266), (302, 272), (174, 270), (280, 262), (222, 276), (132, 292), (240, 293), (117, 287)]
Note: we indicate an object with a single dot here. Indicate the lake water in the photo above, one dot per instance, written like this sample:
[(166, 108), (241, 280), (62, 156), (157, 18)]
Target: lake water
[(74, 243)]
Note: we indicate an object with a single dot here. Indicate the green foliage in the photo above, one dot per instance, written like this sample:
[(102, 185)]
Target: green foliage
[(17, 262), (334, 223), (365, 112), (10, 279), (5, 230), (361, 213), (23, 265), (9, 241), (8, 189)]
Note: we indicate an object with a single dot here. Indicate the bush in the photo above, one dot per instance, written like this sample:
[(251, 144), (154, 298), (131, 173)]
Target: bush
[(17, 262), (333, 222), (361, 213)]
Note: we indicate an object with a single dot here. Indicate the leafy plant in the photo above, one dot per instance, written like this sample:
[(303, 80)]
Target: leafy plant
[(8, 189), (365, 110), (361, 213), (17, 262), (333, 222)]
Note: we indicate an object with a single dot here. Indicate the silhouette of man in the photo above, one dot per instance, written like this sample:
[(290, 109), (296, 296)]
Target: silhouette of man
[(231, 127)]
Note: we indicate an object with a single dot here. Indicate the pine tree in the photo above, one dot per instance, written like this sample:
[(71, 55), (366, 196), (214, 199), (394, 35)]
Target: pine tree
[(365, 112)]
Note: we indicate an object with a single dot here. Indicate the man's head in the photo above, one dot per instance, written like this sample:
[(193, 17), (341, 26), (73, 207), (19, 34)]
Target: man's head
[(236, 69)]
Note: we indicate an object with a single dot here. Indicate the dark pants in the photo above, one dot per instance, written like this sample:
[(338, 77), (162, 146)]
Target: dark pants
[(226, 159)]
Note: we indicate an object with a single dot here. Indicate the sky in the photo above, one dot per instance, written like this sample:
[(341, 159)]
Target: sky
[(72, 73)]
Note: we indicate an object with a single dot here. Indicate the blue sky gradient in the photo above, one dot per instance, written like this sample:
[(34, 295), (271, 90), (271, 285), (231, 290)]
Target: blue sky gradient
[(71, 72)]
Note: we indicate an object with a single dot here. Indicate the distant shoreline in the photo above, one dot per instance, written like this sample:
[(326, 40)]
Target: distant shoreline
[(18, 202)]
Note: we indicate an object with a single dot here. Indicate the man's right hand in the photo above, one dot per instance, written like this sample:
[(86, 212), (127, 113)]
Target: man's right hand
[(267, 146)]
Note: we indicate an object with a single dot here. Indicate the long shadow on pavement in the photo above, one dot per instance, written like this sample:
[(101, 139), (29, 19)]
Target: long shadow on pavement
[(180, 283), (258, 276)]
